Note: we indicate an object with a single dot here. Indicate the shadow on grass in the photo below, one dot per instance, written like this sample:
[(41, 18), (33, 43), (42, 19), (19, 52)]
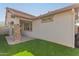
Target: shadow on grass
[(36, 47)]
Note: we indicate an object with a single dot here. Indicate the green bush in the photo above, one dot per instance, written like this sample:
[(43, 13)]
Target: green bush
[(24, 53)]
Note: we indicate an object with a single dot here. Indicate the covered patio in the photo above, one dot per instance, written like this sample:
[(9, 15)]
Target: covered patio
[(16, 33), (18, 23)]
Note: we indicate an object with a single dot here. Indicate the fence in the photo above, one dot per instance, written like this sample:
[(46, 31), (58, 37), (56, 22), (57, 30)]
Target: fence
[(4, 30)]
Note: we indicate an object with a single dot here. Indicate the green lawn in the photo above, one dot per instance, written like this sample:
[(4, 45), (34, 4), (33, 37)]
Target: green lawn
[(35, 47)]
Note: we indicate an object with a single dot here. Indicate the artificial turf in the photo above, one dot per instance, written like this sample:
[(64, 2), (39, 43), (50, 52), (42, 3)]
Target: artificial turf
[(35, 47)]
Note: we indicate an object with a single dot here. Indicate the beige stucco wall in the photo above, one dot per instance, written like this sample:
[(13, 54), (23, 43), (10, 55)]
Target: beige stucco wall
[(61, 30)]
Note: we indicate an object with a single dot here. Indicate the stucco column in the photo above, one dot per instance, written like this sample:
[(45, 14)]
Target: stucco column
[(17, 33)]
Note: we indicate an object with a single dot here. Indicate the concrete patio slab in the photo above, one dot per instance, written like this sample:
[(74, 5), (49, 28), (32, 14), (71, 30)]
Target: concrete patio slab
[(11, 40)]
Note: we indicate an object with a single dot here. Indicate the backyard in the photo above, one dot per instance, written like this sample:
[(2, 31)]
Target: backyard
[(36, 47)]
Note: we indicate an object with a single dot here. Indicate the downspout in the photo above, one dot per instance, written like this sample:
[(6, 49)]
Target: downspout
[(5, 16), (74, 22)]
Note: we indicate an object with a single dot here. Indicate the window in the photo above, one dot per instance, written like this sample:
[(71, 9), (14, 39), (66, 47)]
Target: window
[(47, 19), (28, 26)]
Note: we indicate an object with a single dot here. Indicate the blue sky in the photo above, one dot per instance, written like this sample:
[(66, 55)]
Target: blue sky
[(31, 8)]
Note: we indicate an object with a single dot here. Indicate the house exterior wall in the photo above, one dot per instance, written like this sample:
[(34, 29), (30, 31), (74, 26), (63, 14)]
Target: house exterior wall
[(12, 28), (16, 21), (60, 31), (9, 19)]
